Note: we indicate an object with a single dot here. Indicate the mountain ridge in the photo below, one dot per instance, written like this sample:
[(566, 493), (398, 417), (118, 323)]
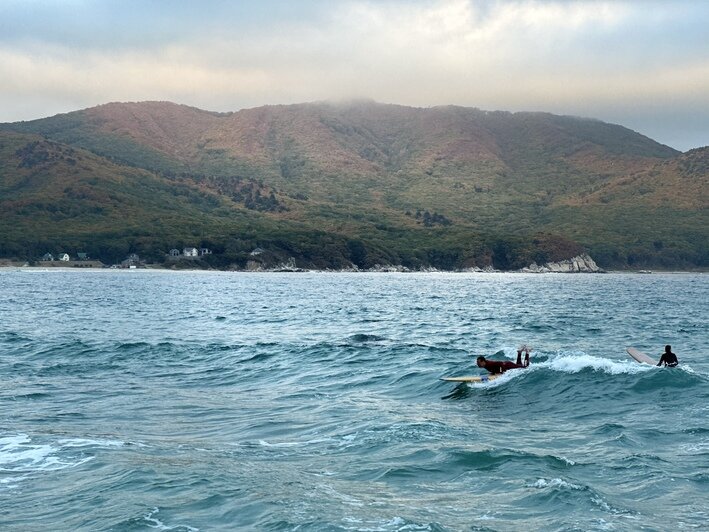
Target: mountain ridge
[(482, 173)]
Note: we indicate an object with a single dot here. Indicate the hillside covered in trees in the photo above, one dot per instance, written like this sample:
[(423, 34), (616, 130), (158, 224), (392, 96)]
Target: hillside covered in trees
[(337, 185)]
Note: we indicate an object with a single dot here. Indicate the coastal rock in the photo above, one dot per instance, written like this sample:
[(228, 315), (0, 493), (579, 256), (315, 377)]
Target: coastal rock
[(253, 266), (579, 264), (287, 266), (477, 269), (388, 268)]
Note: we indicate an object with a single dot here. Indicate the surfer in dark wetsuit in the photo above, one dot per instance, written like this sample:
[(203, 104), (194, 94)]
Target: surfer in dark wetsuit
[(668, 358), (496, 366)]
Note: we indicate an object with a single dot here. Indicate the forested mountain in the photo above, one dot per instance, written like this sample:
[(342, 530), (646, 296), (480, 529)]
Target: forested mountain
[(358, 183)]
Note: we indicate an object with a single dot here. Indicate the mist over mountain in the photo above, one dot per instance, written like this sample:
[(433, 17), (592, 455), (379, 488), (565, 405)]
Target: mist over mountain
[(363, 183)]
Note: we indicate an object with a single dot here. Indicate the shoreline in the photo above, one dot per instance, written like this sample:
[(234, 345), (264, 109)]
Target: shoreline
[(393, 270)]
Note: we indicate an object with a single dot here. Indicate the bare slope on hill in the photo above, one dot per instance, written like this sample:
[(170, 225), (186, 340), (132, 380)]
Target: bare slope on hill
[(359, 139)]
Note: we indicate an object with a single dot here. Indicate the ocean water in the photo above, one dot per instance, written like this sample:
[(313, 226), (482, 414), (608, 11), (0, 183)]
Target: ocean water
[(139, 400)]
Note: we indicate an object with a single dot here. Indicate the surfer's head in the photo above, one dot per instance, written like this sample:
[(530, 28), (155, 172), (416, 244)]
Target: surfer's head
[(668, 349), (481, 361)]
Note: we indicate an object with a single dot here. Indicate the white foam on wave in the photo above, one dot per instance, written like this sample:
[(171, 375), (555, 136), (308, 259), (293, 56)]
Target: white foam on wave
[(79, 442), (690, 370), (264, 443), (154, 522), (561, 484), (21, 456), (555, 483), (384, 525), (499, 381), (574, 364), (17, 453), (694, 448)]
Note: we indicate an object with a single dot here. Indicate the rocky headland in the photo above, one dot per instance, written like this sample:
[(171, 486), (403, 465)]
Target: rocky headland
[(579, 264)]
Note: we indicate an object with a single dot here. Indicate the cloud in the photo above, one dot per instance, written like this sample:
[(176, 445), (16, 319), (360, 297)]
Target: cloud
[(575, 57)]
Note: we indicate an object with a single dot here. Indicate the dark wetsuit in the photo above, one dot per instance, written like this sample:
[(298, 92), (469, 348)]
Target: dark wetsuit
[(495, 366), (669, 359)]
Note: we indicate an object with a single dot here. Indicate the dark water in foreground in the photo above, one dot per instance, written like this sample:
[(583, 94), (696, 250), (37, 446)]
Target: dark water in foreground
[(196, 401)]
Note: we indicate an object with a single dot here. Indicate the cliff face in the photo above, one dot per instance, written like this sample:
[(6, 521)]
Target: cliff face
[(580, 264)]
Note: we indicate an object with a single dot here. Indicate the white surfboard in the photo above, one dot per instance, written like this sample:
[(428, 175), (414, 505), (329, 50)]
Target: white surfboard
[(640, 356), (473, 378)]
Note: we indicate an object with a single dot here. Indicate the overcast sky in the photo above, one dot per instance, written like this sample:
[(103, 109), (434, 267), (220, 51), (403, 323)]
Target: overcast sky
[(643, 64)]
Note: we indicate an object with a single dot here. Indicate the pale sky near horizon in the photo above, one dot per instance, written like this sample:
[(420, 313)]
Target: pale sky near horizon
[(641, 64)]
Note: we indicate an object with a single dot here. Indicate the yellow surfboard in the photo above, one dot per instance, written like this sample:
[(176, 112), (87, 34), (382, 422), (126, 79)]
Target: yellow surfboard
[(472, 378)]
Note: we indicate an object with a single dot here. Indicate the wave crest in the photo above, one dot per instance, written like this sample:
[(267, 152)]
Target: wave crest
[(575, 364)]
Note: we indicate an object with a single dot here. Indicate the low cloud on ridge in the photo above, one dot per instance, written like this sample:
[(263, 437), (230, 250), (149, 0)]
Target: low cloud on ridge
[(642, 64)]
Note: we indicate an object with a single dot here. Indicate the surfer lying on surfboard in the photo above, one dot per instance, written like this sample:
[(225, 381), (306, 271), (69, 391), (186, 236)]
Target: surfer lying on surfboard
[(496, 366)]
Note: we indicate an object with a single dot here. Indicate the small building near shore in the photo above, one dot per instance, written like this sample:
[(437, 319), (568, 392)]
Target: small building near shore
[(82, 256), (47, 257), (174, 252), (132, 261), (204, 251), (190, 252), (64, 257)]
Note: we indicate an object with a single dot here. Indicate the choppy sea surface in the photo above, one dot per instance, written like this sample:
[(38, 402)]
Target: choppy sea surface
[(139, 400)]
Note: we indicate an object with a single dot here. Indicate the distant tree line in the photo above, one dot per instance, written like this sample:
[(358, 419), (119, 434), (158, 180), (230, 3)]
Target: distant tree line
[(40, 152), (429, 220), (251, 193)]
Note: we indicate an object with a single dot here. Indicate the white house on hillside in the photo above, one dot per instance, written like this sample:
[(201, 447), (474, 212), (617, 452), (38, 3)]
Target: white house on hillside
[(190, 252), (64, 257)]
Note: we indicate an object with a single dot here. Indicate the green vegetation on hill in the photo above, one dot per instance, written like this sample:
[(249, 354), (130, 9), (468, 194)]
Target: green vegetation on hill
[(336, 185)]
